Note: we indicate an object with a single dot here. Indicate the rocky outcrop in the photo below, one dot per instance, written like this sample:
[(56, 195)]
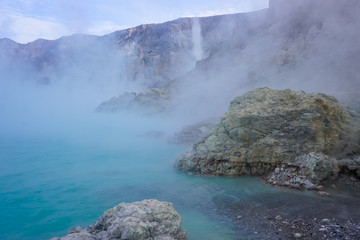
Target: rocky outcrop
[(153, 100), (148, 219), (305, 172), (265, 129), (193, 133)]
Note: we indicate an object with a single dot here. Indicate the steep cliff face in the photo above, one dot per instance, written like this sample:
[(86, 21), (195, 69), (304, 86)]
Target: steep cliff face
[(265, 128), (302, 45), (149, 54), (156, 53)]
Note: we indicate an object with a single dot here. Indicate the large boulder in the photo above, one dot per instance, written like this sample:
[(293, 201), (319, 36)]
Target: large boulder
[(265, 129), (148, 219)]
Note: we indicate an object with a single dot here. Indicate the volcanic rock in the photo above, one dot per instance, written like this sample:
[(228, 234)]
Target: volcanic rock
[(148, 219), (265, 129)]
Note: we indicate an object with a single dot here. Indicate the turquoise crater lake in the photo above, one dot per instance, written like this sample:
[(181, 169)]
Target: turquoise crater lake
[(51, 183)]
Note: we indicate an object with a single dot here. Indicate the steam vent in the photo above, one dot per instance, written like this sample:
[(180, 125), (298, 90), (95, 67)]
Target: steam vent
[(266, 130)]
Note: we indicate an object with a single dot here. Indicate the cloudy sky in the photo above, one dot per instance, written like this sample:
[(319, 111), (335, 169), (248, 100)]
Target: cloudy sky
[(27, 20)]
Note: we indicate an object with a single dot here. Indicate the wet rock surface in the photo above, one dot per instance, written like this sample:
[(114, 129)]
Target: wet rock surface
[(148, 219)]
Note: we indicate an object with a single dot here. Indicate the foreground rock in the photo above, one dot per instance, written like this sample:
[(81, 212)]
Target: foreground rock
[(294, 133), (148, 219)]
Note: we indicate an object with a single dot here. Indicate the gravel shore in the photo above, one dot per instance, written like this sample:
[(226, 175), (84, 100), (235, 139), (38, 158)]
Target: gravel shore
[(297, 215)]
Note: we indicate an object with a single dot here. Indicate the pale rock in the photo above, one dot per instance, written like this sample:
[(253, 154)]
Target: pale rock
[(148, 219)]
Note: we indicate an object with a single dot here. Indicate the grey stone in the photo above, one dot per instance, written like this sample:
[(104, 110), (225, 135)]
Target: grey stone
[(303, 134), (325, 220), (297, 235), (148, 219)]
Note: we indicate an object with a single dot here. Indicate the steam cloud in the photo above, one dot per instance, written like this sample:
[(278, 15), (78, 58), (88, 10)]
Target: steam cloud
[(312, 47)]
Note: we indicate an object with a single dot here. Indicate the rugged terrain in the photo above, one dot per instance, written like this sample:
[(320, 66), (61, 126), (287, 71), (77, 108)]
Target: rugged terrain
[(307, 45)]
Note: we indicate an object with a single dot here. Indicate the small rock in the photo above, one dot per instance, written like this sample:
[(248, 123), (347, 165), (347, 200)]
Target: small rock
[(278, 217), (323, 193), (353, 179), (325, 220), (239, 217), (75, 230), (322, 229), (277, 170), (297, 235)]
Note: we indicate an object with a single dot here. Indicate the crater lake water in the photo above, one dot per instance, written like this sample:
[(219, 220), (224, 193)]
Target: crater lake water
[(51, 183), (49, 186)]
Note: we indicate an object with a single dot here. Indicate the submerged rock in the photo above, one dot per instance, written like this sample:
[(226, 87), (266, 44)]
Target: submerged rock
[(265, 129), (148, 219)]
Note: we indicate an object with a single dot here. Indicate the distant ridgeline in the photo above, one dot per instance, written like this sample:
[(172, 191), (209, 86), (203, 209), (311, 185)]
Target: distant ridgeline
[(299, 44)]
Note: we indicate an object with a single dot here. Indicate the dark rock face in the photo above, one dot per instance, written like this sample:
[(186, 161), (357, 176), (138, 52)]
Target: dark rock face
[(265, 128), (148, 219)]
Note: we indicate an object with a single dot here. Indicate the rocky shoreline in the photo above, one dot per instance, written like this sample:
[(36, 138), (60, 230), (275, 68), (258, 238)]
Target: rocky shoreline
[(292, 140), (307, 216)]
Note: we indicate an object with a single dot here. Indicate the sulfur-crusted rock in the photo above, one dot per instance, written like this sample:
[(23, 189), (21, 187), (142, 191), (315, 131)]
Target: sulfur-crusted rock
[(145, 220), (265, 128)]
